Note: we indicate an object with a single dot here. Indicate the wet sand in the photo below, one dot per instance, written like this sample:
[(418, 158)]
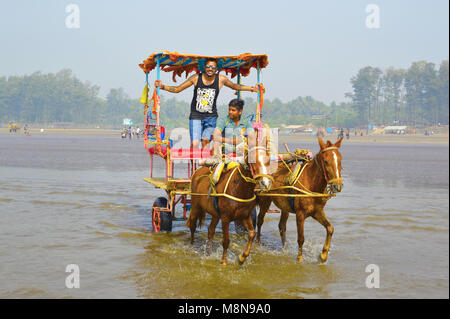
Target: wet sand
[(61, 131), (299, 137)]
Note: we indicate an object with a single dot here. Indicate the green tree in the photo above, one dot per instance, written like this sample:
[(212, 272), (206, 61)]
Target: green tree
[(422, 87), (443, 115), (366, 91), (392, 91)]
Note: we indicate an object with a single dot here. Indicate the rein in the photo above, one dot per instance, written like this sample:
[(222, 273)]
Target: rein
[(305, 192)]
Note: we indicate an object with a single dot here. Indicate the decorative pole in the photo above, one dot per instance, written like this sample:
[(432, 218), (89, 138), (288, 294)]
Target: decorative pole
[(157, 91), (238, 82), (259, 97)]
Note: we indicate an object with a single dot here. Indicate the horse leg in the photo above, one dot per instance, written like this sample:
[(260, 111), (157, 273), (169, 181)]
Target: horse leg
[(322, 219), (248, 224), (226, 239), (300, 234), (193, 226), (263, 208), (211, 232), (282, 226), (192, 221)]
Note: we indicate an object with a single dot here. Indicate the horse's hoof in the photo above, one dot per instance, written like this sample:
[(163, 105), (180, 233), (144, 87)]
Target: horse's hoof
[(240, 259), (323, 258), (300, 259)]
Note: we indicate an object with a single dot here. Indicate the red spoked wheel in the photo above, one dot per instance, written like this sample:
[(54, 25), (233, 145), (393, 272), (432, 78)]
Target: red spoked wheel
[(156, 220), (161, 220)]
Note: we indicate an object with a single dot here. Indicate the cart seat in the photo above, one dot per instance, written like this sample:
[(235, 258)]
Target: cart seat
[(188, 153)]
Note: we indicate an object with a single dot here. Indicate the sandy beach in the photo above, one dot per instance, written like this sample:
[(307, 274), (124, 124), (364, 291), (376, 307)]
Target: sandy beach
[(375, 138), (61, 131)]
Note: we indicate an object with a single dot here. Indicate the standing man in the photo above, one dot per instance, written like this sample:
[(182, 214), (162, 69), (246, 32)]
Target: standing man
[(203, 116)]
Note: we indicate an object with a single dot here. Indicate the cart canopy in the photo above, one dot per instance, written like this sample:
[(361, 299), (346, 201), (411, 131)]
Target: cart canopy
[(187, 63)]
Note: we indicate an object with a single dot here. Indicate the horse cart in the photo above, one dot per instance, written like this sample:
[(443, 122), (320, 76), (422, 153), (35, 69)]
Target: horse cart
[(301, 183), (159, 145)]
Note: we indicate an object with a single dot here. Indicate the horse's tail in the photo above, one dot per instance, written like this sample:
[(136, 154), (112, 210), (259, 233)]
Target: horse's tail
[(196, 217), (189, 220), (201, 219)]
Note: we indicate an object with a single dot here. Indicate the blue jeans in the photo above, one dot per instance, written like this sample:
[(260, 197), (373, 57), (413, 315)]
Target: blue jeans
[(202, 129)]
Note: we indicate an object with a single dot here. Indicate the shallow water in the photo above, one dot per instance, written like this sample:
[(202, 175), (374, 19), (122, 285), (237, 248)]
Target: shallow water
[(81, 200)]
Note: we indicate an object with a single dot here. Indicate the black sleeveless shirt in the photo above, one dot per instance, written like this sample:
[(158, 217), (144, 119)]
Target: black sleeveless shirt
[(204, 100)]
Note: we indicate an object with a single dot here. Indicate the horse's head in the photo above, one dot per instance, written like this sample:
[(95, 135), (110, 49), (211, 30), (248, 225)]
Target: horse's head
[(329, 161), (258, 158)]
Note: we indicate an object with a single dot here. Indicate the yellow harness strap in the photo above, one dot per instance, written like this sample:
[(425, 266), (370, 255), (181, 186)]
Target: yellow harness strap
[(213, 192)]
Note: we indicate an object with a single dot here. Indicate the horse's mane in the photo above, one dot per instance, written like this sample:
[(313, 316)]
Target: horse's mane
[(282, 169)]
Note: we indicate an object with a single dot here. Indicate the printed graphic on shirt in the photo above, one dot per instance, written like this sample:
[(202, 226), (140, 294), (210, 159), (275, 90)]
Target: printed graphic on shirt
[(205, 100)]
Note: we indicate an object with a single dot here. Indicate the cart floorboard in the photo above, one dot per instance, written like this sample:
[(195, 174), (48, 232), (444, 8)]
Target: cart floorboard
[(178, 184)]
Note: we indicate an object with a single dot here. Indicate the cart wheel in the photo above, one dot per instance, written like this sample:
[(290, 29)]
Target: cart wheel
[(240, 229), (161, 221)]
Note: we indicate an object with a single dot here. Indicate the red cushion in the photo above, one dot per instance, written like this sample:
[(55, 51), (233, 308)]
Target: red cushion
[(188, 153), (152, 151)]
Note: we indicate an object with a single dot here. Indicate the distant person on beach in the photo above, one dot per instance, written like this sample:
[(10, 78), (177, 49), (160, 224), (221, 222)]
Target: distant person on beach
[(138, 132), (26, 129)]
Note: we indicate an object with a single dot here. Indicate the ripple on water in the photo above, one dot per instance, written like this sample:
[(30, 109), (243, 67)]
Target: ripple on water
[(53, 203), (407, 227), (114, 206), (26, 292)]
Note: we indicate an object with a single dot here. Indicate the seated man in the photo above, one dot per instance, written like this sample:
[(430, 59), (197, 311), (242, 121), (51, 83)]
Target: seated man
[(229, 131)]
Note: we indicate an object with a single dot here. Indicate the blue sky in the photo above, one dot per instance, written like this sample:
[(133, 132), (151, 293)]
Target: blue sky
[(314, 47)]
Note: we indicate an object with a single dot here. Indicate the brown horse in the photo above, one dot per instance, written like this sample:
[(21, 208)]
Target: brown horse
[(324, 170), (238, 184)]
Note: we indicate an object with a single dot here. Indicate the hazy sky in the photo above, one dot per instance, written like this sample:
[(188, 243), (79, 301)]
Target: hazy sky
[(314, 47)]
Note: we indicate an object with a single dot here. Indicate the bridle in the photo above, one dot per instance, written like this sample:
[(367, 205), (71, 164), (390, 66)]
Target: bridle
[(256, 176), (337, 180)]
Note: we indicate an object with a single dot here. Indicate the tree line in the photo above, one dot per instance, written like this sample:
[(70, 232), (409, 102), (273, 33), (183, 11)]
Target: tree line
[(416, 96)]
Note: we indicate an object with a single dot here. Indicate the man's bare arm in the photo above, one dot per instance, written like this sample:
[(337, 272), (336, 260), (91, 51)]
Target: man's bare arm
[(238, 87), (176, 89)]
